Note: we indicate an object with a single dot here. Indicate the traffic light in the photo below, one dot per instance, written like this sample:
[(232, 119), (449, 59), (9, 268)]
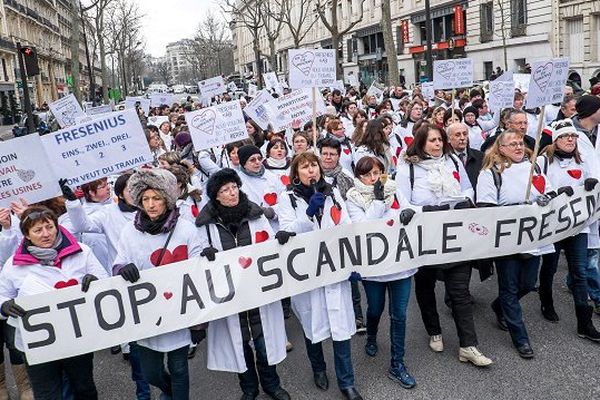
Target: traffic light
[(31, 60)]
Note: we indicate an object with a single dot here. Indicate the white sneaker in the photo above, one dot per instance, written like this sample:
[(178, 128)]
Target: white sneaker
[(466, 354), (436, 343)]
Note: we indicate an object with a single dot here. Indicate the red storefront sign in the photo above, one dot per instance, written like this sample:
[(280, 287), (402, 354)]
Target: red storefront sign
[(404, 30), (459, 21), (439, 46)]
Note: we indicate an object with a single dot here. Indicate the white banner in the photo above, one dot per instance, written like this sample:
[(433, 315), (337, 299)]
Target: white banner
[(24, 171), (212, 87), (141, 102), (453, 73), (158, 99), (547, 83), (257, 109), (296, 106), (107, 145), (68, 322), (217, 125), (103, 109), (66, 111), (311, 68)]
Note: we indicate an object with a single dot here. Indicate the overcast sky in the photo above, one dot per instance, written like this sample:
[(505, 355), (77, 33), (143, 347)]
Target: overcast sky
[(167, 21)]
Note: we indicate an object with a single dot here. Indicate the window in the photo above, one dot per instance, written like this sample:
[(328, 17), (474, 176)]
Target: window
[(575, 39), (488, 68), (596, 35), (486, 15), (518, 17), (4, 70), (349, 48)]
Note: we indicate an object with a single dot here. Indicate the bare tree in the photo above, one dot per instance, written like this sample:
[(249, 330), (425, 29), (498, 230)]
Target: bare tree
[(75, 9), (297, 16), (99, 15), (504, 25), (214, 37), (328, 13), (162, 71), (388, 42), (272, 24)]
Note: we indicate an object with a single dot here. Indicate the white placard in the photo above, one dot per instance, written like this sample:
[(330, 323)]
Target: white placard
[(107, 145), (311, 68), (103, 109), (67, 322), (547, 84), (522, 82), (157, 120), (212, 87), (232, 87), (376, 89), (257, 109), (352, 80), (293, 108), (428, 90), (158, 99), (501, 95), (252, 90), (66, 110), (217, 125), (24, 171), (453, 73), (141, 102), (272, 82), (339, 85)]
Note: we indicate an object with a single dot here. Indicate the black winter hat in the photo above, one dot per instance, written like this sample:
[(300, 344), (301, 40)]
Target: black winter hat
[(121, 183), (471, 109), (587, 105), (247, 151), (219, 179)]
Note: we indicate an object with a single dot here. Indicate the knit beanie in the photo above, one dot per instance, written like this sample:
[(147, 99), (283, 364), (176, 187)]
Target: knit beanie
[(587, 105), (471, 109), (183, 139), (121, 183), (247, 151), (160, 180), (220, 179), (562, 127)]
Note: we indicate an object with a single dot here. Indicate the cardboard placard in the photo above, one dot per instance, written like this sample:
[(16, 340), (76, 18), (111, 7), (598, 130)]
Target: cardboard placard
[(547, 83), (453, 73), (66, 111), (311, 68), (212, 87), (217, 125)]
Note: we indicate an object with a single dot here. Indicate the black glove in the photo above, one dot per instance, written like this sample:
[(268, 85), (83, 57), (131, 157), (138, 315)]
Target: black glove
[(198, 335), (406, 216), (378, 190), (484, 205), (85, 282), (568, 190), (543, 200), (464, 204), (283, 236), (355, 277), (11, 309), (443, 207), (209, 253), (66, 190), (590, 183), (269, 212), (130, 273)]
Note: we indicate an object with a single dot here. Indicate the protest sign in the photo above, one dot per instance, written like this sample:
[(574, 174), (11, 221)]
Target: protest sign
[(66, 110), (272, 82), (217, 125), (257, 109), (501, 95), (68, 322), (252, 89), (453, 73), (428, 90), (107, 145), (376, 89), (103, 109), (138, 102), (212, 87), (339, 85), (311, 68), (352, 80), (547, 83), (522, 82), (24, 171), (158, 99), (157, 120), (231, 87), (296, 106)]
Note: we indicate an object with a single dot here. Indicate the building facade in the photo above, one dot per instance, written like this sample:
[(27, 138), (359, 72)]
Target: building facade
[(178, 59)]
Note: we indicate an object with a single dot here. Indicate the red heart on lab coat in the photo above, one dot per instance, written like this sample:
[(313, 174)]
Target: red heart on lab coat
[(456, 175), (270, 198), (408, 140), (336, 214), (347, 151), (575, 173), (395, 204), (179, 253), (195, 211), (539, 183), (285, 180), (261, 236), (63, 284)]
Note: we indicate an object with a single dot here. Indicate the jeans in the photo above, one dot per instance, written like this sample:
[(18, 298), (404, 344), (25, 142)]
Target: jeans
[(47, 378), (516, 277), (399, 295), (457, 281), (358, 313), (267, 374), (142, 389), (342, 357), (176, 382), (592, 275), (575, 248)]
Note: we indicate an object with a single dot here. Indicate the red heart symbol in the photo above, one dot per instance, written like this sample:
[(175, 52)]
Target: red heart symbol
[(195, 211), (270, 198), (390, 222), (456, 175), (179, 253), (245, 262), (261, 236), (539, 183), (347, 151), (408, 140), (63, 284), (394, 160), (398, 150), (168, 295), (575, 173), (395, 204), (336, 214), (285, 180)]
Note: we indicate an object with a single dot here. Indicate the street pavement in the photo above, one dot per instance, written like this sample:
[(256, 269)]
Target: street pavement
[(6, 132)]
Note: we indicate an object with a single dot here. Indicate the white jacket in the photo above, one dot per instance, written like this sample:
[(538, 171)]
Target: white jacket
[(265, 191), (9, 239), (327, 311), (591, 156)]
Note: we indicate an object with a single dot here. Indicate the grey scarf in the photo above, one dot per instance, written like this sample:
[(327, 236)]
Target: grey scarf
[(340, 180), (255, 174), (46, 256)]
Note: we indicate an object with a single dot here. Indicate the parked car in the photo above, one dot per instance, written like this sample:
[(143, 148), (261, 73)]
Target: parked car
[(41, 123)]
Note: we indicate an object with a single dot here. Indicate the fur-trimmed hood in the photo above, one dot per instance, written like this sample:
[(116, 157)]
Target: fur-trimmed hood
[(160, 180)]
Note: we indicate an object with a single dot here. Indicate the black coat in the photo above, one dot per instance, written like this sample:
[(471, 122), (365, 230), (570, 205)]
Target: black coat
[(473, 165)]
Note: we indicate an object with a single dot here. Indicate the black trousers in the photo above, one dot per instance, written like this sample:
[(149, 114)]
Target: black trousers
[(457, 281), (47, 378)]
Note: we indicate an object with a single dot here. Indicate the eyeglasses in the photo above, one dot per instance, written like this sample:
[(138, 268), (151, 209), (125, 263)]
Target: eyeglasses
[(38, 215), (569, 136), (514, 145), (229, 188)]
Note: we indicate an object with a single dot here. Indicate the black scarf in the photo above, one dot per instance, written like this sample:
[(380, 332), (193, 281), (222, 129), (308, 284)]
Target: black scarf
[(163, 224), (564, 155), (232, 217), (305, 192), (124, 207)]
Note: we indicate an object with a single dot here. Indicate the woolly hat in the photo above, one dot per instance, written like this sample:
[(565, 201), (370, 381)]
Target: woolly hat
[(156, 179), (220, 179), (587, 105), (120, 184), (471, 109), (183, 139), (247, 151), (562, 127)]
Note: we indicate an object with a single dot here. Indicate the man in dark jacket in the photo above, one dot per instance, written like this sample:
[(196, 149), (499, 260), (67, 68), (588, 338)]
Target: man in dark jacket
[(458, 137)]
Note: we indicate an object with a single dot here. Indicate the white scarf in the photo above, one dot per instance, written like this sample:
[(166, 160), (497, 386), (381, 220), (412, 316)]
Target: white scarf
[(441, 180), (275, 163), (362, 195)]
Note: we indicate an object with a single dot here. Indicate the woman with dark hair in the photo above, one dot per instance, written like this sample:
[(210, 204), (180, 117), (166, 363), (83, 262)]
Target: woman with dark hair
[(301, 141), (229, 157), (405, 129), (437, 117), (476, 136), (562, 164), (47, 254), (452, 118), (375, 142), (256, 133), (277, 160), (312, 204), (373, 197), (359, 122), (433, 179)]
